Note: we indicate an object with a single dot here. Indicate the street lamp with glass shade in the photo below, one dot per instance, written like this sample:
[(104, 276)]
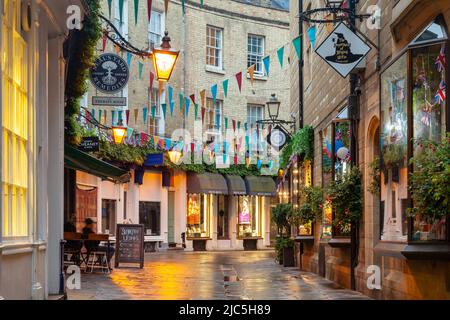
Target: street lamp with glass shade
[(164, 59), (119, 133), (273, 106), (175, 156)]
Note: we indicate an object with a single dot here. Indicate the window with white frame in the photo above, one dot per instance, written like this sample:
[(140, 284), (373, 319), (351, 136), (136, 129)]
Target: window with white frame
[(255, 113), (16, 139), (214, 44), (255, 53), (216, 121), (156, 29)]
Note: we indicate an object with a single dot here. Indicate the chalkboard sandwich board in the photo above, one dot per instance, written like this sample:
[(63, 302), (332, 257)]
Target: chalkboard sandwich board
[(130, 244)]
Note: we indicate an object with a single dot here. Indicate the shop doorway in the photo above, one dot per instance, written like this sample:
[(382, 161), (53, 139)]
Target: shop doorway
[(171, 219), (150, 217)]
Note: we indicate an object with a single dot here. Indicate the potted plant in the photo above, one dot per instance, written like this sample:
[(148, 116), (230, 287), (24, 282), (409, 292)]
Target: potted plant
[(430, 182), (280, 214)]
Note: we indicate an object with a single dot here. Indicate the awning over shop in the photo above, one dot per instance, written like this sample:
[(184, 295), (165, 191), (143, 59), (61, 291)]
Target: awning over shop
[(260, 186), (81, 161), (212, 183), (236, 185)]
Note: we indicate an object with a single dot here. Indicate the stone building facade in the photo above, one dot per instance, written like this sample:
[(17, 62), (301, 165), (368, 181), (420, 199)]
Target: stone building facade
[(230, 25), (409, 268)]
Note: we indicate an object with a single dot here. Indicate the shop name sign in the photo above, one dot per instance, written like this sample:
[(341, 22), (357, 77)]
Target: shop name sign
[(109, 101), (89, 144), (343, 50), (110, 73)]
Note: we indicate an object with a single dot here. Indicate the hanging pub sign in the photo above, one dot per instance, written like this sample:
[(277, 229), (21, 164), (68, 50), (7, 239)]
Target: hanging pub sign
[(89, 144), (278, 138), (343, 50), (110, 73)]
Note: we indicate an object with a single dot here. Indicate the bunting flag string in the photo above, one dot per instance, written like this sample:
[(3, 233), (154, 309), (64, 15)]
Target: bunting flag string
[(266, 62), (225, 88), (251, 72), (239, 80), (136, 11), (297, 43), (280, 53), (144, 114)]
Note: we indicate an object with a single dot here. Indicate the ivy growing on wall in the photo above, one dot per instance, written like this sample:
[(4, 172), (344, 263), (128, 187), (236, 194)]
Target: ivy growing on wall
[(80, 52)]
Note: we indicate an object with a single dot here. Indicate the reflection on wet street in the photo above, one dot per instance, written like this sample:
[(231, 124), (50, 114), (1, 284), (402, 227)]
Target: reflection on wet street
[(209, 275)]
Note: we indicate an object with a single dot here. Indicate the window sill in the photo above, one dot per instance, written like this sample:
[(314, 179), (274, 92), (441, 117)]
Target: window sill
[(214, 70), (390, 249), (249, 238), (339, 243), (435, 251), (197, 239), (258, 77)]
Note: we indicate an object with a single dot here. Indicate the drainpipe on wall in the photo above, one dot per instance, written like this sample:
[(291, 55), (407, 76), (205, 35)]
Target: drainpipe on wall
[(300, 67)]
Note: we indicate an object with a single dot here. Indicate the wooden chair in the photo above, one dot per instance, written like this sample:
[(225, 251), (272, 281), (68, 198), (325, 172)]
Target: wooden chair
[(72, 249), (98, 259)]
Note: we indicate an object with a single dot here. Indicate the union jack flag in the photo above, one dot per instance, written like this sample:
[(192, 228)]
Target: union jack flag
[(441, 93), (440, 60)]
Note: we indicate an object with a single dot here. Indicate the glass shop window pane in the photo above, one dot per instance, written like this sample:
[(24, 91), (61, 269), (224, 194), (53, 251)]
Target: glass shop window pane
[(150, 217), (197, 218)]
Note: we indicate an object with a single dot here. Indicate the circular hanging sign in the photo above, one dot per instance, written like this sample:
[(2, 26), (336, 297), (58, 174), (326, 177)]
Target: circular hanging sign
[(278, 138), (110, 73)]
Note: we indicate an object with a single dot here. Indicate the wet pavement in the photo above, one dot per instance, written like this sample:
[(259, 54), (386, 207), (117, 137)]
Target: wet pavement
[(176, 275)]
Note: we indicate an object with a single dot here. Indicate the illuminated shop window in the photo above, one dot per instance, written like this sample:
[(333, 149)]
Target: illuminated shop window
[(249, 216), (17, 144), (326, 179), (413, 106), (199, 208)]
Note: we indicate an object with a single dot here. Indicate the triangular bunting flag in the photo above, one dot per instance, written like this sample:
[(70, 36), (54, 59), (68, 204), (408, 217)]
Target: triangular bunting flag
[(121, 11), (211, 119), (239, 125), (144, 114), (214, 93), (109, 7), (226, 123), (153, 112), (280, 53), (266, 62), (129, 56), (196, 111), (239, 80), (168, 143), (171, 107), (201, 3), (187, 103), (105, 38), (93, 114), (120, 118), (112, 117), (117, 49), (166, 6), (312, 35), (181, 99), (192, 96), (297, 43), (141, 66), (251, 72), (225, 87), (149, 9), (127, 115), (160, 88), (203, 97), (136, 113), (105, 114), (100, 116), (183, 6), (164, 109), (136, 10), (203, 114), (234, 125)]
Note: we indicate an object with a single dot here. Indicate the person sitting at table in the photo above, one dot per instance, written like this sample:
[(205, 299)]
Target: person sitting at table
[(93, 245), (72, 246)]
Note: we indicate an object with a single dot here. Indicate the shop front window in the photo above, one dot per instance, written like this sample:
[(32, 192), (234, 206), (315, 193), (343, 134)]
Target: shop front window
[(150, 217), (326, 179), (413, 107), (109, 216), (198, 215), (222, 217), (249, 216)]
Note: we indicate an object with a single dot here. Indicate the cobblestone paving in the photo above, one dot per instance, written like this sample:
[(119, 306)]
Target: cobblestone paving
[(234, 275)]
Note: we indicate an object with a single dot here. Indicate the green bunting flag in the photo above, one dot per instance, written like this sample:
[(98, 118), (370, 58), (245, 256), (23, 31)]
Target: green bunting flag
[(297, 43), (141, 65), (196, 111), (226, 123), (181, 96), (144, 114), (266, 62), (121, 11), (136, 10), (153, 112), (214, 93), (109, 7), (120, 116), (129, 57), (238, 125), (201, 3), (100, 116), (187, 103), (164, 109), (112, 117), (225, 87), (280, 53), (183, 6)]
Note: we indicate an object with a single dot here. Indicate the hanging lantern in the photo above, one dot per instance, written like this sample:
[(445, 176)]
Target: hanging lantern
[(175, 156), (273, 106), (119, 133), (164, 59)]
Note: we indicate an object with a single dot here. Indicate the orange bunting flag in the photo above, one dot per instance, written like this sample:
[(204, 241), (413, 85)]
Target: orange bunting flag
[(166, 6), (104, 42), (203, 114), (136, 113), (211, 119), (251, 72), (203, 97), (117, 49)]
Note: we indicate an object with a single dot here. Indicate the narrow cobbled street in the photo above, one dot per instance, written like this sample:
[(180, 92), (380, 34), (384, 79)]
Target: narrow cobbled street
[(209, 275)]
